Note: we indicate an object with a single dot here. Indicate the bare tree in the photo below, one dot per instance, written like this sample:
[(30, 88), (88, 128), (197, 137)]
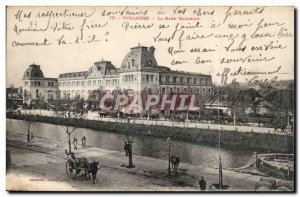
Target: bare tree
[(26, 98), (95, 96), (69, 109)]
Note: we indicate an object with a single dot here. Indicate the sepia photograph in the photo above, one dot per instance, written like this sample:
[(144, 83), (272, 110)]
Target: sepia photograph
[(150, 99)]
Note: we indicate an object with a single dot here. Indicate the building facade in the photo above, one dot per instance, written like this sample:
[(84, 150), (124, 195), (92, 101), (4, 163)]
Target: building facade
[(37, 88), (138, 72)]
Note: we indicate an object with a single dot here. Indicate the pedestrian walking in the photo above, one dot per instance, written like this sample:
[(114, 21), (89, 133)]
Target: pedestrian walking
[(75, 143), (31, 137), (83, 142), (126, 148), (202, 184)]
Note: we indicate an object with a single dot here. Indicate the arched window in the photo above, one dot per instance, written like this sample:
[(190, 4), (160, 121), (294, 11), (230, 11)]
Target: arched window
[(163, 90)]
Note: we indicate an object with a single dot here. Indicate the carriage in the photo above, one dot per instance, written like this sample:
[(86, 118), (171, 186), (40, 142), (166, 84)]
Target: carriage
[(81, 166), (77, 166)]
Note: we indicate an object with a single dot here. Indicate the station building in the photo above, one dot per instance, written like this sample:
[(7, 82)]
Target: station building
[(138, 72)]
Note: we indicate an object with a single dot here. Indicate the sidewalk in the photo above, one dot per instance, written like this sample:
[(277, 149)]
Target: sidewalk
[(46, 160)]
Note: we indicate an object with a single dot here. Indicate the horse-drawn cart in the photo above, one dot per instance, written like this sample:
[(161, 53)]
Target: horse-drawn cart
[(81, 166), (77, 166)]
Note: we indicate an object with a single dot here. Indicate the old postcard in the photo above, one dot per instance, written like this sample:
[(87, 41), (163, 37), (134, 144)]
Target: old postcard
[(190, 99)]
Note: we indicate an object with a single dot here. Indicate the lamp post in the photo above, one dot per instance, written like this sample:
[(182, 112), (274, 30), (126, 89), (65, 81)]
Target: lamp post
[(169, 166)]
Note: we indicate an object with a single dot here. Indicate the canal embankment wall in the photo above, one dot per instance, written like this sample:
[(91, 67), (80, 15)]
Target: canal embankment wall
[(265, 142)]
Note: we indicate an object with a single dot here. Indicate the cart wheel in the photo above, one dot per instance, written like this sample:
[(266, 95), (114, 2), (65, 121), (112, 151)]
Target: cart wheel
[(70, 169)]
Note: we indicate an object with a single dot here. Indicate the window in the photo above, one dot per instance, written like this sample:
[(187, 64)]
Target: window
[(82, 83), (94, 82), (194, 80), (129, 64), (184, 80), (209, 90), (151, 77), (147, 78), (171, 79), (26, 83), (163, 78), (78, 83), (37, 93), (89, 83), (201, 81)]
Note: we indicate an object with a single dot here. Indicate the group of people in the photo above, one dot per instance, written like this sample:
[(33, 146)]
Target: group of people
[(30, 138), (83, 142)]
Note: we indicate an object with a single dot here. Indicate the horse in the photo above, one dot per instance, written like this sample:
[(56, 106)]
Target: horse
[(92, 168), (175, 163)]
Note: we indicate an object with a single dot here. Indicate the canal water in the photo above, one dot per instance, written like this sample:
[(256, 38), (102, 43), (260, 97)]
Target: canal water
[(197, 154)]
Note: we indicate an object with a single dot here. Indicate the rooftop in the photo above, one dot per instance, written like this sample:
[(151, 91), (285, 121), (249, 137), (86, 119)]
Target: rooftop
[(33, 71)]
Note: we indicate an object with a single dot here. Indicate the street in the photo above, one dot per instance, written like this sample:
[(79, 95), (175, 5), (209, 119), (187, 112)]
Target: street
[(42, 167)]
